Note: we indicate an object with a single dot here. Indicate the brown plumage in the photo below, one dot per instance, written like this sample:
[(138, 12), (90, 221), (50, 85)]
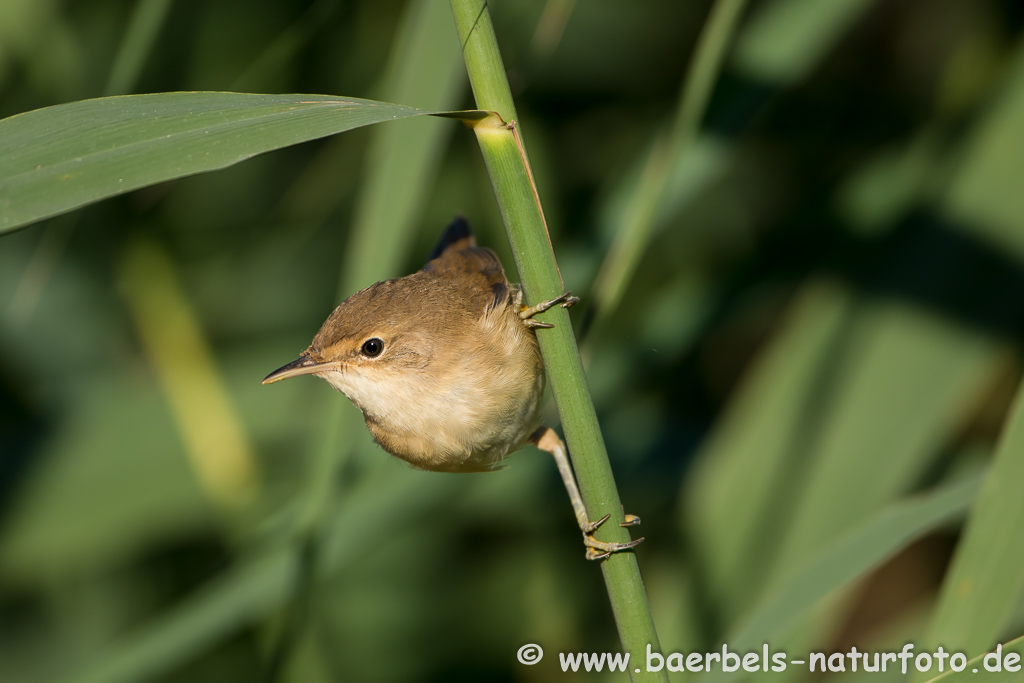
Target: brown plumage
[(447, 374)]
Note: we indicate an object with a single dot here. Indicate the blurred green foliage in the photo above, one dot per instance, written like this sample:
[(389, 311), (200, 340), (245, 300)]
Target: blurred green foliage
[(825, 320)]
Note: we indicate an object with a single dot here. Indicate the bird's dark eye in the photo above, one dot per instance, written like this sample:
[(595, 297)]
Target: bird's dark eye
[(372, 347)]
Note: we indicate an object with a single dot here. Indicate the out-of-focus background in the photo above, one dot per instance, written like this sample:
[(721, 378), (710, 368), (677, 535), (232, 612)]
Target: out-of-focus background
[(823, 315)]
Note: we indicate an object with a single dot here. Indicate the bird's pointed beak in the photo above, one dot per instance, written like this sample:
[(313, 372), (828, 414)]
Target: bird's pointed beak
[(303, 365)]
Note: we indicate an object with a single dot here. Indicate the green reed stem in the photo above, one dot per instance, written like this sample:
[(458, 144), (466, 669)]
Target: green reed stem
[(504, 152)]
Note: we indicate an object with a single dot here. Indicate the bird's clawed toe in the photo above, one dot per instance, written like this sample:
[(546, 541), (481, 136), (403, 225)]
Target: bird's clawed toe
[(567, 300)]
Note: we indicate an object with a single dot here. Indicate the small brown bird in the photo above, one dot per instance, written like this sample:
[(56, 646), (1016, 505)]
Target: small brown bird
[(445, 366)]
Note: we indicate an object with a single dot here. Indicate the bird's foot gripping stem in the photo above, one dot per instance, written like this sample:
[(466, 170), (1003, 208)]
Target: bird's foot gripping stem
[(567, 300), (547, 440)]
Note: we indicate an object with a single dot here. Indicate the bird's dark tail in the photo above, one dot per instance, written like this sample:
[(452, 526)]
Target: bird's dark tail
[(457, 236)]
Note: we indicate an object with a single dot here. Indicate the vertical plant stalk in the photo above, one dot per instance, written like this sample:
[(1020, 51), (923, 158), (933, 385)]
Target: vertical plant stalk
[(212, 433), (147, 19), (501, 144), (630, 242)]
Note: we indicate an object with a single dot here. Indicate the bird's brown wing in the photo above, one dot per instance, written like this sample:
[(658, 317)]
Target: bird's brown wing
[(457, 253)]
